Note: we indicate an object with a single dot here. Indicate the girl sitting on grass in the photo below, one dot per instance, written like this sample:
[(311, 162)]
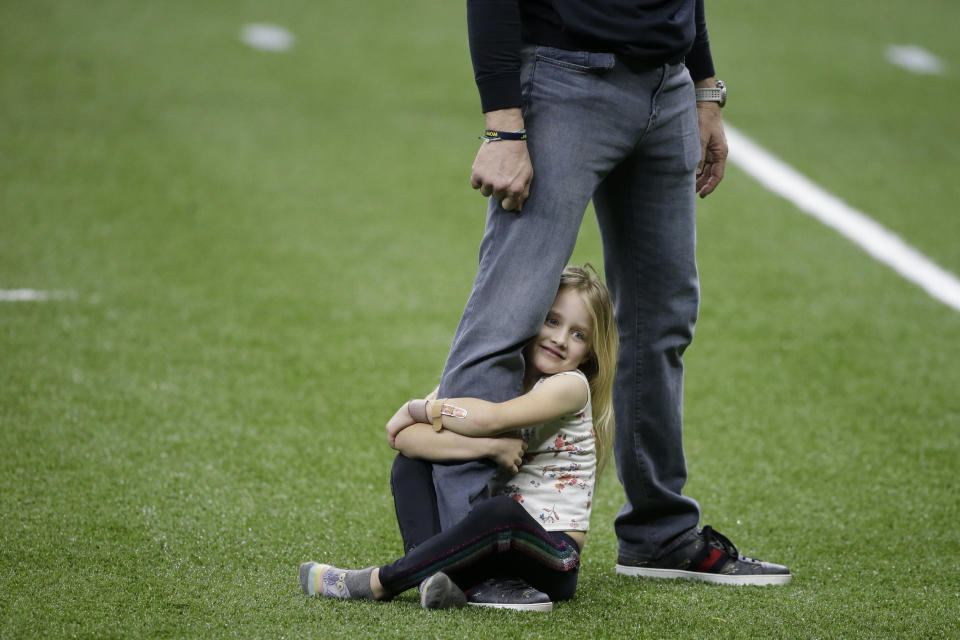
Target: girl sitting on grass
[(536, 529)]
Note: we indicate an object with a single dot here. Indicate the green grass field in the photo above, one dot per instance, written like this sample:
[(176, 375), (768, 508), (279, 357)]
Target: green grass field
[(242, 233)]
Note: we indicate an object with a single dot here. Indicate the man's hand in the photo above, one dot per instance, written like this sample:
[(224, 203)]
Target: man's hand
[(502, 169), (713, 144), (400, 421)]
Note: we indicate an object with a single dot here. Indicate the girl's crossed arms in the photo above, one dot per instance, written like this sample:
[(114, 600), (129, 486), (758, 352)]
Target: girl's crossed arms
[(474, 428)]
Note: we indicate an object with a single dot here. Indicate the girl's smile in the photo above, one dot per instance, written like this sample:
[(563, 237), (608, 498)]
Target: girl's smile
[(551, 352)]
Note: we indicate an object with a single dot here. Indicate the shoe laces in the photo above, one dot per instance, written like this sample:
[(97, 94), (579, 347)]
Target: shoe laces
[(722, 542), (514, 583), (507, 584), (713, 537)]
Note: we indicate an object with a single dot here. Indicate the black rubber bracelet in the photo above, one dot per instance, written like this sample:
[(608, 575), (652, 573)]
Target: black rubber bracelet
[(491, 135)]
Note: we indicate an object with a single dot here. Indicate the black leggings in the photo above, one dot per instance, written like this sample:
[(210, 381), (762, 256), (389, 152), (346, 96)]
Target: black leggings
[(498, 539)]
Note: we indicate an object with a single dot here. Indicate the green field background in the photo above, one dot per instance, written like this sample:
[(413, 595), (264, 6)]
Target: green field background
[(266, 253)]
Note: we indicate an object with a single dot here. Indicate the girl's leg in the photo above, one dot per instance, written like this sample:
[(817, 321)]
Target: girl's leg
[(415, 500), (324, 580), (559, 585), (498, 527)]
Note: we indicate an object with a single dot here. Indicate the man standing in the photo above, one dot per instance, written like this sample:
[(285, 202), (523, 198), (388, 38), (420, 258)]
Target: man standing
[(615, 101)]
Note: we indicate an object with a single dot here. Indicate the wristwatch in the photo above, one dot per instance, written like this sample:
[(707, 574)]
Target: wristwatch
[(718, 95)]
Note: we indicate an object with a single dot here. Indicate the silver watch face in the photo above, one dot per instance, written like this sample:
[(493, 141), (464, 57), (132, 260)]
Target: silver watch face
[(723, 92)]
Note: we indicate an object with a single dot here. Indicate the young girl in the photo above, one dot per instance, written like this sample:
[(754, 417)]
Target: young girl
[(537, 528)]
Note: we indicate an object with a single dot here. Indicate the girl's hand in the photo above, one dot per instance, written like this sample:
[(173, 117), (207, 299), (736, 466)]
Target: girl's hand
[(400, 421), (507, 452)]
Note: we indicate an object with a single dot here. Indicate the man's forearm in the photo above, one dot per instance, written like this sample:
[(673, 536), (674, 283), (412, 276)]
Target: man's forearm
[(494, 30), (699, 58)]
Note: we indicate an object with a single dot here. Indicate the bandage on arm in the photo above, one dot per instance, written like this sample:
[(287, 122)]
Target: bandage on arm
[(432, 412)]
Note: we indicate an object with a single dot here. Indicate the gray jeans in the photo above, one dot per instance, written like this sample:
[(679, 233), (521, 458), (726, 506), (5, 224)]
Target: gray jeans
[(628, 139)]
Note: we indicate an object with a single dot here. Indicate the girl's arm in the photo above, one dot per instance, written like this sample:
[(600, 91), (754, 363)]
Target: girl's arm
[(401, 420), (421, 441), (555, 397)]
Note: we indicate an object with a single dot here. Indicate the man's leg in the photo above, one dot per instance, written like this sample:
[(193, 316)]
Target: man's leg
[(515, 285), (522, 255), (646, 212)]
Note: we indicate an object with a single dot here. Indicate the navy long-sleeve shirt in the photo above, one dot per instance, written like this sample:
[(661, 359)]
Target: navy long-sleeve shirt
[(647, 33)]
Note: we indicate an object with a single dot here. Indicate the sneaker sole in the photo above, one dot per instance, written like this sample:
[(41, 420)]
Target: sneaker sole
[(761, 580), (538, 606)]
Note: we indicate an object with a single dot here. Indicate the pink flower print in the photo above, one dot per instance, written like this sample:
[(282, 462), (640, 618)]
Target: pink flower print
[(513, 492), (568, 480), (560, 444), (572, 451)]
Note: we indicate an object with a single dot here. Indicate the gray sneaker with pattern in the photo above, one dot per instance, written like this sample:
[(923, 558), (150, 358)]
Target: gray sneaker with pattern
[(508, 593), (710, 557)]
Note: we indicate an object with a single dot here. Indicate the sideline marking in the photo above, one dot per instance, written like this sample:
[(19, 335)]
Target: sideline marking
[(266, 37), (915, 59), (880, 243), (32, 295)]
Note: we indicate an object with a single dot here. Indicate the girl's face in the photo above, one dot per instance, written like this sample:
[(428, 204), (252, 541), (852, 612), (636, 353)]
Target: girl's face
[(565, 338)]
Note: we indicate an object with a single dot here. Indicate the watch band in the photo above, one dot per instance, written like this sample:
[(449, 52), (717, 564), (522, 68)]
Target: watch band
[(709, 95), (717, 94)]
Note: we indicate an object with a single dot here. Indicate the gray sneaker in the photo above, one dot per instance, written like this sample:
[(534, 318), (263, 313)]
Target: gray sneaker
[(710, 557), (440, 592), (508, 593)]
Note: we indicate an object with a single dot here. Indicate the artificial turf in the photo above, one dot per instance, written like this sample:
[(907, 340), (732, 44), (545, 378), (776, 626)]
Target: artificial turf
[(266, 253)]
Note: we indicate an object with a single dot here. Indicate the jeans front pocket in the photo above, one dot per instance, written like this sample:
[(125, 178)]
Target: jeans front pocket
[(579, 61)]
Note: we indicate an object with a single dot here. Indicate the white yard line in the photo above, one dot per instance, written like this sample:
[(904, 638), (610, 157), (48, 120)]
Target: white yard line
[(880, 243), (915, 59), (786, 182), (33, 295), (267, 37)]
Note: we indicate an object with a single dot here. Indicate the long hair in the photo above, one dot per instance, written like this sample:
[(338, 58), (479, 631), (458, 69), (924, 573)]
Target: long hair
[(601, 366)]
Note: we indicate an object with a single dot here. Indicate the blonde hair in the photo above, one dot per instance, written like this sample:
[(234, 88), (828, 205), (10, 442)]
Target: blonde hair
[(601, 365)]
